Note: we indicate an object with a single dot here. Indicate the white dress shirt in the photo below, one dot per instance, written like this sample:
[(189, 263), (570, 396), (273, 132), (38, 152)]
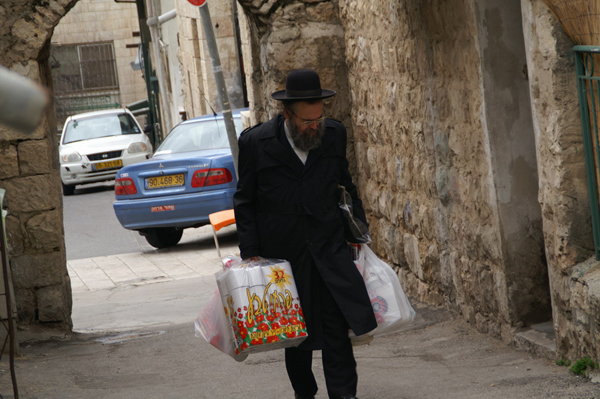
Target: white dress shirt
[(303, 155)]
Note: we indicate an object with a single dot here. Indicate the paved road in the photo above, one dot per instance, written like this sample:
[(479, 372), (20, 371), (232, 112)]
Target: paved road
[(91, 227), (438, 357), (139, 343)]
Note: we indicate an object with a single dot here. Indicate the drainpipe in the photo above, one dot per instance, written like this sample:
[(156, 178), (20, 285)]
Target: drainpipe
[(160, 73), (148, 74), (167, 16)]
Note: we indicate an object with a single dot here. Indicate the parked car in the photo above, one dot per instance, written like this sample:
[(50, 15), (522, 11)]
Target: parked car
[(190, 176), (95, 145)]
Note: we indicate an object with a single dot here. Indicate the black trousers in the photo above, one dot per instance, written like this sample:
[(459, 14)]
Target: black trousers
[(339, 365)]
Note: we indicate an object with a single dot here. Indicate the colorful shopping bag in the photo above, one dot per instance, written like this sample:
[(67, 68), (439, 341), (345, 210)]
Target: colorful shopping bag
[(262, 306)]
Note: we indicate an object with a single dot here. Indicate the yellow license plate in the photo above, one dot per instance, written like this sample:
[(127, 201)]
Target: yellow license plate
[(107, 165), (164, 181)]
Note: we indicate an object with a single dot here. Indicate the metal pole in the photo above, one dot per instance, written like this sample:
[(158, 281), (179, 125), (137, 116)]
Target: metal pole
[(220, 81), (145, 39), (160, 73), (8, 292)]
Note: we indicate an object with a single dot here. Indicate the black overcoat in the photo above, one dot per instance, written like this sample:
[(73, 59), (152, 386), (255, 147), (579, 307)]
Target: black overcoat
[(287, 210)]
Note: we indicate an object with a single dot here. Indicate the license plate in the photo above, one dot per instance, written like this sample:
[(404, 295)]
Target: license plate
[(107, 165), (164, 181)]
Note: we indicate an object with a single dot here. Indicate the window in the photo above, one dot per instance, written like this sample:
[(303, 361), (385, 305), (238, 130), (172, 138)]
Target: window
[(100, 126), (84, 67)]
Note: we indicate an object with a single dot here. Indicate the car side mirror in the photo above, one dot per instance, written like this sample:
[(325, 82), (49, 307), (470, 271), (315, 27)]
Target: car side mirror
[(149, 128)]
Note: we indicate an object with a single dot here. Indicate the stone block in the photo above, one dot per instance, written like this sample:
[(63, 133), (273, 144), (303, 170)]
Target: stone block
[(412, 255), (31, 35), (324, 12), (9, 134), (34, 157), (42, 193), (26, 305), (436, 298), (57, 8), (43, 231), (32, 271), (51, 304), (495, 330), (30, 69), (481, 323), (9, 161), (468, 314), (14, 234), (65, 3), (508, 332), (223, 26)]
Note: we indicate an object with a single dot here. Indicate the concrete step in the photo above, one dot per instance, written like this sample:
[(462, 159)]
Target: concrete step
[(539, 339)]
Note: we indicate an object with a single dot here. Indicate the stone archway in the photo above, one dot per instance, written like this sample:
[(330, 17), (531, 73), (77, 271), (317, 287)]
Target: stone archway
[(29, 173), (284, 35)]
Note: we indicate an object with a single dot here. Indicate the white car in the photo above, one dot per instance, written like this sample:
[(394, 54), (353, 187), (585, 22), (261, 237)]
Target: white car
[(95, 145)]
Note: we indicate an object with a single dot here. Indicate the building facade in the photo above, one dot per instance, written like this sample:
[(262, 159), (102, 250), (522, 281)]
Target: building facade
[(92, 54)]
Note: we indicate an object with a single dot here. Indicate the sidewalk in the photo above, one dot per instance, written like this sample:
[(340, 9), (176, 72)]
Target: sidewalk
[(195, 256), (133, 316), (130, 291)]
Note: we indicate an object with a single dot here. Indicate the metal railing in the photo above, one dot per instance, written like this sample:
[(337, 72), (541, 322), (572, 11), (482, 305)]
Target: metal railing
[(588, 87), (7, 303)]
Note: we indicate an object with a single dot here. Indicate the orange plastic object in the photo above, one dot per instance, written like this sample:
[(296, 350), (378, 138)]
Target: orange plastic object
[(222, 219)]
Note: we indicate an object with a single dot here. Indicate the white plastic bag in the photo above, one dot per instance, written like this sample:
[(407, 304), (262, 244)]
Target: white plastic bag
[(212, 325), (390, 304)]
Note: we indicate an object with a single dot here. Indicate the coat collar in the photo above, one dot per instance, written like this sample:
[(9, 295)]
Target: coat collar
[(276, 145)]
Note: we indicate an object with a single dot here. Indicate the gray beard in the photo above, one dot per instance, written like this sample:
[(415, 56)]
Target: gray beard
[(303, 141)]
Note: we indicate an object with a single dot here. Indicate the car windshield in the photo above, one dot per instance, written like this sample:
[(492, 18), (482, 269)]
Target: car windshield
[(99, 126), (202, 135)]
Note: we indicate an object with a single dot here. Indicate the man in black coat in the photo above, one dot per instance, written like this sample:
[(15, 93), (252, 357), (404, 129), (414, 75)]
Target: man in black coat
[(286, 207)]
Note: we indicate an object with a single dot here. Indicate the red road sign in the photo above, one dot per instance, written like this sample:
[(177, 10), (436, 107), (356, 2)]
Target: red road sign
[(199, 3)]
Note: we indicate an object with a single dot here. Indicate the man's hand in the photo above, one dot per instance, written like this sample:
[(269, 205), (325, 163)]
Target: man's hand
[(252, 259)]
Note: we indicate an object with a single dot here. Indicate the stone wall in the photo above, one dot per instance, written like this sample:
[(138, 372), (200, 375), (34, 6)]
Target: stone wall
[(508, 127), (563, 187), (29, 172), (428, 155), (290, 35), (279, 36), (449, 184)]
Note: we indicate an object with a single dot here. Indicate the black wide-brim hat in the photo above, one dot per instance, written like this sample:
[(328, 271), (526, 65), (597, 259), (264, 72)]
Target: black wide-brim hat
[(302, 84)]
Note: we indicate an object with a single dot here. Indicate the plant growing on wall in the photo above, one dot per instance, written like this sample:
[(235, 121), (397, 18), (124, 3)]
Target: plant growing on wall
[(581, 366)]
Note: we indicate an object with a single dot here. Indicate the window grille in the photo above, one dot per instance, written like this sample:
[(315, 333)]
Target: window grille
[(98, 67), (85, 79), (84, 67)]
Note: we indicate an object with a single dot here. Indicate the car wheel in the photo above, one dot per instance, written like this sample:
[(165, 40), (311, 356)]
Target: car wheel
[(163, 237), (68, 190)]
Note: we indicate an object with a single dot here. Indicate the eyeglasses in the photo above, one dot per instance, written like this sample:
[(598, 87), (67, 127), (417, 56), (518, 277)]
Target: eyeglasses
[(308, 122)]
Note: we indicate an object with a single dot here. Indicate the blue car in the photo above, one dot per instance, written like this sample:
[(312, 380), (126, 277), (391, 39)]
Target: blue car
[(190, 176)]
